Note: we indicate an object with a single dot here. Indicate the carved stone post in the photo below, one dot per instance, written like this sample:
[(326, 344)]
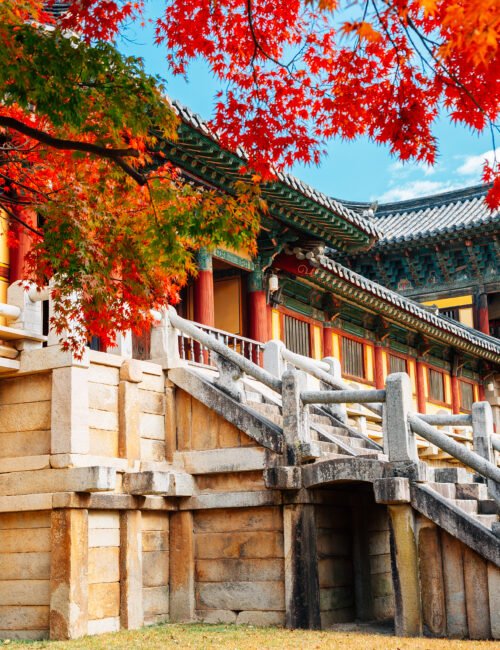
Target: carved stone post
[(339, 411), (273, 358), (164, 343), (295, 415), (399, 440), (482, 428)]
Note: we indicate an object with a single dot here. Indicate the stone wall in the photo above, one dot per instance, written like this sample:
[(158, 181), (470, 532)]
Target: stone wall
[(155, 567)]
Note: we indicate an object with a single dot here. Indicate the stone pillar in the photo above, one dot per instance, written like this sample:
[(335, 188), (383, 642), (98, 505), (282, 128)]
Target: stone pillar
[(301, 567), (131, 608), (182, 551), (399, 440), (257, 307), (129, 439), (69, 574), (420, 367), (404, 561), (335, 369), (327, 341), (379, 366), (204, 311), (295, 415), (273, 358), (431, 577), (70, 409)]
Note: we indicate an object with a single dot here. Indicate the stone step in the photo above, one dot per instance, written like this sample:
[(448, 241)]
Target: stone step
[(446, 490), (487, 507), (486, 520), (452, 475), (253, 396), (471, 491), (467, 505), (336, 431), (270, 411), (319, 419)]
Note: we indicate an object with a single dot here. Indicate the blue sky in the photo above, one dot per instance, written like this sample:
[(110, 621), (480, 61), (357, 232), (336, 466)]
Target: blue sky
[(356, 170)]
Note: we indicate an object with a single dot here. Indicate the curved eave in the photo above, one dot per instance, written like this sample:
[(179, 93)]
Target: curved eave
[(343, 281), (288, 199)]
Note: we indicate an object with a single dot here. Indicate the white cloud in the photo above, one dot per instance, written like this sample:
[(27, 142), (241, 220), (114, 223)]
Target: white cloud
[(473, 165), (415, 189), (402, 169)]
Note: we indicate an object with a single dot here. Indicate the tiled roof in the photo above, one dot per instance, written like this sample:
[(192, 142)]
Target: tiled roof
[(448, 326), (450, 213), (58, 8), (349, 215)]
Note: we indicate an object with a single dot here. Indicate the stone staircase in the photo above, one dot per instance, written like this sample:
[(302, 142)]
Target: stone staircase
[(458, 487)]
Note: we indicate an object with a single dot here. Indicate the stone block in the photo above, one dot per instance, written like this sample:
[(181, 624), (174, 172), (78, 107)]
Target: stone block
[(452, 475), (476, 595), (241, 595), (24, 618), (182, 554), (104, 537), (155, 540), (15, 444), (249, 519), (217, 616), (152, 450), (155, 565), (392, 490), (24, 592), (224, 460), (104, 600), (103, 374), (25, 540), (22, 390), (494, 599), (261, 619), (103, 397), (104, 625), (70, 411), (336, 598), (239, 570), (453, 578), (17, 417), (131, 570), (154, 521), (25, 566), (161, 483), (131, 370), (152, 426), (283, 478), (335, 572), (104, 564), (156, 600), (239, 545)]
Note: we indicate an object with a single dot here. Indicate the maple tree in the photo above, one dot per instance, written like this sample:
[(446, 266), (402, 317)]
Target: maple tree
[(81, 126)]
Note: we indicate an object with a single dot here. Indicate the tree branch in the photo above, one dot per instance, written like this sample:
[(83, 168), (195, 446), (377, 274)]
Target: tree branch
[(115, 155)]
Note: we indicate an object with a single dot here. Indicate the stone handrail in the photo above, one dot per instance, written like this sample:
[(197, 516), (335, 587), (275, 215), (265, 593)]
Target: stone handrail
[(210, 342), (357, 396), (466, 456)]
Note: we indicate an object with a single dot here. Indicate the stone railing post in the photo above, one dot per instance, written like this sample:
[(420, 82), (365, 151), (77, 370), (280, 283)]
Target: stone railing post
[(295, 414), (482, 431), (399, 440), (30, 318), (273, 358), (123, 345), (165, 343), (339, 411)]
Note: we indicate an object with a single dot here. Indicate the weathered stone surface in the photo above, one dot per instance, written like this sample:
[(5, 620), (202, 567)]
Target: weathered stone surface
[(78, 479), (232, 500), (217, 616), (24, 592), (22, 390), (342, 469), (155, 540), (241, 595), (131, 592), (182, 554), (103, 625), (15, 444), (25, 566), (453, 577), (261, 619), (23, 618), (161, 483), (104, 600), (239, 545), (239, 459), (69, 411), (431, 579), (239, 570), (103, 564), (336, 598), (20, 417), (335, 572), (249, 519), (259, 428), (24, 464), (392, 490), (494, 599), (156, 600), (155, 568), (408, 614), (283, 478), (131, 370), (25, 540), (453, 520), (103, 397), (68, 575), (476, 595)]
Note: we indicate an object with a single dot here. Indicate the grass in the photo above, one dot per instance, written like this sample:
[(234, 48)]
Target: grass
[(220, 637)]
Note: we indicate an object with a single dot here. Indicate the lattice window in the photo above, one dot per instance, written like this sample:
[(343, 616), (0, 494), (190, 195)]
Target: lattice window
[(436, 385), (397, 364), (353, 358), (297, 335), (466, 395)]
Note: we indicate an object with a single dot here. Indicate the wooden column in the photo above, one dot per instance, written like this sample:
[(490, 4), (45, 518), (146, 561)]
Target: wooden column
[(18, 253), (455, 394), (420, 385), (69, 574), (257, 307), (327, 341), (408, 611), (483, 321), (204, 311), (379, 366), (182, 596), (301, 567)]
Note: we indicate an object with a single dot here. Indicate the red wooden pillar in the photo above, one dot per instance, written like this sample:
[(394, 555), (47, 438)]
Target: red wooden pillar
[(455, 394), (257, 308), (482, 392), (379, 366), (203, 308), (203, 299), (18, 253), (420, 386), (327, 341), (483, 320)]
